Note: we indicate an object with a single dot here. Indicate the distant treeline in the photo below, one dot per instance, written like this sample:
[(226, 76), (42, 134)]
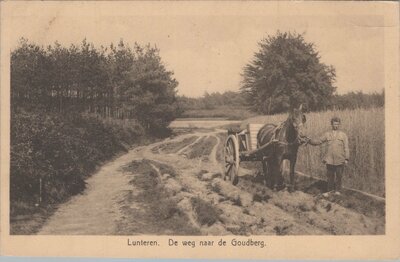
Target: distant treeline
[(351, 100), (211, 101), (354, 100), (115, 81)]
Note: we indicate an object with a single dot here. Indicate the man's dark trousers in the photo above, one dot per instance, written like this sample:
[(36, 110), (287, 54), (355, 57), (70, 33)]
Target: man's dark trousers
[(334, 173)]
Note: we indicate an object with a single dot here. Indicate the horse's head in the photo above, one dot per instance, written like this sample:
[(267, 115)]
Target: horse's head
[(297, 118)]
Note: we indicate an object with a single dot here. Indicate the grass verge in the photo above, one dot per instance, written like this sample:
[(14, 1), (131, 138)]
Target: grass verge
[(157, 212)]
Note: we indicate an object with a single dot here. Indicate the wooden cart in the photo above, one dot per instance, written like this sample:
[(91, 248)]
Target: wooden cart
[(241, 145)]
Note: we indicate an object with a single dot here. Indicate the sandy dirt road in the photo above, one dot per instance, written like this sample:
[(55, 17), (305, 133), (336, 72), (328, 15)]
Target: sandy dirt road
[(176, 187)]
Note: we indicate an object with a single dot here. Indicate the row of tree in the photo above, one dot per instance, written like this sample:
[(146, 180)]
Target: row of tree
[(354, 100), (115, 81), (212, 100), (350, 100)]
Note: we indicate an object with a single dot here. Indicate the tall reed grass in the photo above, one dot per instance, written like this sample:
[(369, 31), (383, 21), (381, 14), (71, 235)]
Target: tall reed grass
[(366, 131)]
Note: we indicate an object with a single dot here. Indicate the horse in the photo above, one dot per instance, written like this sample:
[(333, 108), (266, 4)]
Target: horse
[(288, 137)]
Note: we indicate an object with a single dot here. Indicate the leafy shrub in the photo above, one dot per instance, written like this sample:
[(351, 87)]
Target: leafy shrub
[(127, 130), (54, 154)]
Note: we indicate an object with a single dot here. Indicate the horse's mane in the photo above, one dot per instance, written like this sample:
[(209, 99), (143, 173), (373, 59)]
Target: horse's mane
[(289, 132)]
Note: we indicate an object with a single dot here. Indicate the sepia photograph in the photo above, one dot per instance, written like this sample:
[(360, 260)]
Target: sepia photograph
[(199, 126)]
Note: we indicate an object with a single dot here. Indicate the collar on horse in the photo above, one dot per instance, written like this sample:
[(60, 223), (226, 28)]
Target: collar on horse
[(299, 140)]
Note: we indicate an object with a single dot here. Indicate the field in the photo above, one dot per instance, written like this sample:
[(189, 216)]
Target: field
[(366, 131)]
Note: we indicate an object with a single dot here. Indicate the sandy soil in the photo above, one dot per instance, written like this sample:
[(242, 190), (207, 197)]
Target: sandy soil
[(176, 187)]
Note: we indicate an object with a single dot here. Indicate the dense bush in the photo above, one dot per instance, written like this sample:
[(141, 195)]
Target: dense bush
[(61, 151)]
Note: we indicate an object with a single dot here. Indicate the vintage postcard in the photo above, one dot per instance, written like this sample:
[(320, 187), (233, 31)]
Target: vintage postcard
[(200, 129)]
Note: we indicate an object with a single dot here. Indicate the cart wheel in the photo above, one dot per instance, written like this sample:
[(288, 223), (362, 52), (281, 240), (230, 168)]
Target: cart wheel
[(231, 156)]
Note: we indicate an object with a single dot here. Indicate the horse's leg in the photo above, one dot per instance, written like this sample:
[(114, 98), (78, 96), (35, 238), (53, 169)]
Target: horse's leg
[(279, 174), (275, 171), (292, 172), (271, 173), (267, 173)]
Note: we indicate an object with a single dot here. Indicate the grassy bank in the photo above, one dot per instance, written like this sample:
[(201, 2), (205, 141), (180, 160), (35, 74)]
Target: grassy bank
[(53, 154), (366, 131)]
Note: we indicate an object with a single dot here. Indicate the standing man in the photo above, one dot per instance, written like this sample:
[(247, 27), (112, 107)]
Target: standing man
[(336, 157)]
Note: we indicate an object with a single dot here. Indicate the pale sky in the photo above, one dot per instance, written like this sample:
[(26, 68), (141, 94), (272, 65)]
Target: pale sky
[(208, 44)]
